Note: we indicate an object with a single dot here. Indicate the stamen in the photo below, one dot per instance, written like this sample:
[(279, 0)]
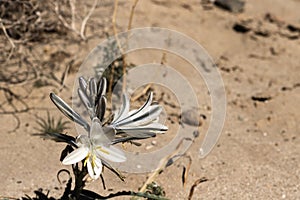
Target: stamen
[(104, 151), (86, 159)]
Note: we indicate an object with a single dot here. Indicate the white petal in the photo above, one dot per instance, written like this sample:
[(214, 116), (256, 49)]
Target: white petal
[(111, 153), (102, 86), (145, 106), (93, 88), (68, 111), (123, 113), (97, 134), (82, 140), (140, 133), (154, 127), (94, 171), (82, 83), (76, 156), (131, 115), (144, 117)]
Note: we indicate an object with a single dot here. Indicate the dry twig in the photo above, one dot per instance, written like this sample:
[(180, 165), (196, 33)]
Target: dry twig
[(131, 14), (197, 182), (9, 39), (162, 164), (73, 11), (138, 95), (83, 25)]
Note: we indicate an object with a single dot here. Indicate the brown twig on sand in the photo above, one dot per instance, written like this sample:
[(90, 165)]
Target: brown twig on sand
[(163, 59), (117, 39), (197, 182), (136, 97), (9, 39), (73, 11), (6, 35), (118, 43), (131, 14), (83, 24), (162, 165), (124, 57), (62, 19), (186, 170), (115, 26)]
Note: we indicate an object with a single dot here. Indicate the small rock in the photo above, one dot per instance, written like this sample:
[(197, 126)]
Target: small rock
[(149, 147), (265, 134), (153, 142), (261, 97), (235, 6), (241, 28), (191, 117), (196, 134), (293, 28)]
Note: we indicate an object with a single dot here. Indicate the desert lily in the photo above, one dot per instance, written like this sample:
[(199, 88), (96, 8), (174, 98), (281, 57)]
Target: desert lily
[(96, 147), (93, 148)]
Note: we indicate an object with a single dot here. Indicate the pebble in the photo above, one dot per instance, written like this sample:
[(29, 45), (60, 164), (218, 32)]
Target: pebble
[(235, 6), (149, 147), (265, 134), (191, 117)]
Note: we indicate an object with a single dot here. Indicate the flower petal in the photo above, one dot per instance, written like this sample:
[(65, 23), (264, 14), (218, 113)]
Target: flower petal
[(123, 113), (111, 153), (82, 83), (100, 109), (154, 127), (97, 134), (146, 116), (94, 167), (138, 112), (141, 134), (76, 156), (93, 89), (84, 99), (82, 140), (102, 86), (68, 111)]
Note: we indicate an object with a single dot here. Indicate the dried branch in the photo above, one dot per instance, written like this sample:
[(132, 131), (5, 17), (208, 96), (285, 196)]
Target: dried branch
[(73, 11), (145, 90), (124, 57), (6, 35), (83, 24), (9, 39), (162, 165), (197, 182), (131, 14), (115, 26), (62, 19)]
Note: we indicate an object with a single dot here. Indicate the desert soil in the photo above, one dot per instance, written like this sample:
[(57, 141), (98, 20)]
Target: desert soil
[(257, 155)]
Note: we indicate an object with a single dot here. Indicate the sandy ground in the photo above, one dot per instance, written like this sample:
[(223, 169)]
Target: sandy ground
[(257, 155)]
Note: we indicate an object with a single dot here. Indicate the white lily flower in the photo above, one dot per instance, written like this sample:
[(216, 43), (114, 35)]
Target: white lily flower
[(94, 147)]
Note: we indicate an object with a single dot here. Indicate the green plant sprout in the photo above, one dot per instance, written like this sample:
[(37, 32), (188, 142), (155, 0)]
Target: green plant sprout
[(50, 125)]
